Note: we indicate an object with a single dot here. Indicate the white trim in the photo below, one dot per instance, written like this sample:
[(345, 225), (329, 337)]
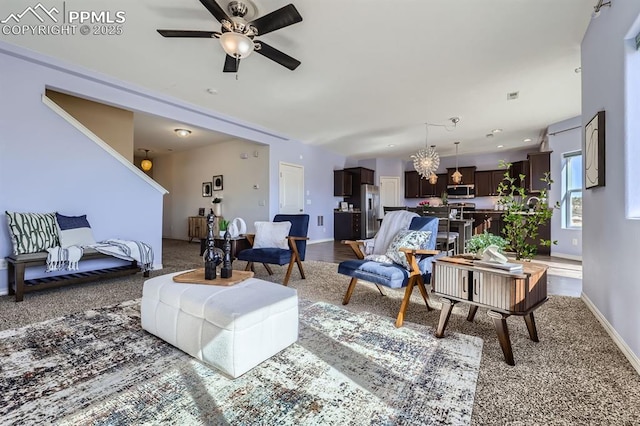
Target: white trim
[(567, 256), (626, 350), (157, 266), (326, 240), (102, 144)]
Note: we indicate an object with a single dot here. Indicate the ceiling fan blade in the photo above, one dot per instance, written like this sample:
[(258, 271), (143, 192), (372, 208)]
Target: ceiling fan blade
[(186, 33), (277, 56), (231, 64), (283, 17), (215, 10)]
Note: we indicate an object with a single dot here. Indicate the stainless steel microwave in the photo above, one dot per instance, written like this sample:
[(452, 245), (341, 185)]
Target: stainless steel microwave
[(461, 191)]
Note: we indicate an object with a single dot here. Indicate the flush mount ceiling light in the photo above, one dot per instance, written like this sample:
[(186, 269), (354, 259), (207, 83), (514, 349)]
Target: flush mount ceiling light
[(183, 133), (456, 176), (146, 164), (426, 160)]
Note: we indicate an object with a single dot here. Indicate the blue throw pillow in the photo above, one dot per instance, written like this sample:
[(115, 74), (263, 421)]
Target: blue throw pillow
[(74, 231)]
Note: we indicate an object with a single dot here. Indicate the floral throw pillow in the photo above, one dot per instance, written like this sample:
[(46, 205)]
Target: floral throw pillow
[(407, 239)]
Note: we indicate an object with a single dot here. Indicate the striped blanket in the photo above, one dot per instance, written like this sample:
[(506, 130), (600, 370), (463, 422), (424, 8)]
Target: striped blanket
[(61, 259), (127, 250)]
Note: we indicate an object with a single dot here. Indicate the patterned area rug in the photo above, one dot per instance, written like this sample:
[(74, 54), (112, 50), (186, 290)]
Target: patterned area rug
[(100, 367)]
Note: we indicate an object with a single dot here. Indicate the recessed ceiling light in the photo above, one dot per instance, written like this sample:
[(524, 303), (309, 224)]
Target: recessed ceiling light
[(391, 145), (183, 133), (496, 131), (578, 70), (526, 140), (489, 135), (512, 95), (212, 91), (500, 146)]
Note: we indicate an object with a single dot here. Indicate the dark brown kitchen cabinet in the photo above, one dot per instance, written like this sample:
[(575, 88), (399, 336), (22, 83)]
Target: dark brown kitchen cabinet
[(342, 183), (441, 185), (346, 225), (539, 164), (468, 175), (490, 222), (487, 182), (521, 168), (416, 186), (411, 184), (483, 183), (362, 175)]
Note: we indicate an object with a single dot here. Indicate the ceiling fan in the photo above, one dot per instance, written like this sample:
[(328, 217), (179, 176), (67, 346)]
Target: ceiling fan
[(237, 34)]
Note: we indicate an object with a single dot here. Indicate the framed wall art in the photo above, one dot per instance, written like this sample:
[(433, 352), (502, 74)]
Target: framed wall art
[(206, 189), (594, 133), (217, 183)]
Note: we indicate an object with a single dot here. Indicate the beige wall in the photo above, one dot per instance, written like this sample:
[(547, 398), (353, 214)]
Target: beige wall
[(112, 125), (182, 174)]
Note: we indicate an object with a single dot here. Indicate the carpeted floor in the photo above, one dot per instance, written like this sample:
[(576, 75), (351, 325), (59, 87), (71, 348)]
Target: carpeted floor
[(574, 375)]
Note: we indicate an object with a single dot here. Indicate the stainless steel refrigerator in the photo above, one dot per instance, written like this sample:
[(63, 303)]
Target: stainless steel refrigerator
[(370, 205)]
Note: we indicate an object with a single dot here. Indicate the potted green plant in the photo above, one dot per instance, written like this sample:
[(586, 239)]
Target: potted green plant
[(223, 225), (478, 243), (523, 215)]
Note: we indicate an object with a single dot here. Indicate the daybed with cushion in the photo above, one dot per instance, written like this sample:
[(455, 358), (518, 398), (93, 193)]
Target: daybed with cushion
[(48, 249)]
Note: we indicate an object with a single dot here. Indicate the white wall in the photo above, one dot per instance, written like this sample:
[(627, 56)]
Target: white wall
[(48, 165), (562, 142), (183, 173), (319, 165), (611, 241)]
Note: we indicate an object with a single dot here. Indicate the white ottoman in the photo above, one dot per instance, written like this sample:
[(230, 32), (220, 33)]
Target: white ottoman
[(231, 328)]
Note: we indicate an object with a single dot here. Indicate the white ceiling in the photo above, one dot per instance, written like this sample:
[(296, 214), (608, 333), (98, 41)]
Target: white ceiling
[(373, 72)]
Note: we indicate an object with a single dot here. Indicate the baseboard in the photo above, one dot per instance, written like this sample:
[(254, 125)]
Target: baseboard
[(326, 240), (626, 350), (567, 256)]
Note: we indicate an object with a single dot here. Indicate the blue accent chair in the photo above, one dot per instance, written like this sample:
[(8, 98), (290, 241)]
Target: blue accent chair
[(277, 256), (393, 275)]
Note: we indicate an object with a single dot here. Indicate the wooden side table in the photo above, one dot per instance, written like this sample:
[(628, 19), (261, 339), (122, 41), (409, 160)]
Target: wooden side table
[(237, 245), (503, 293)]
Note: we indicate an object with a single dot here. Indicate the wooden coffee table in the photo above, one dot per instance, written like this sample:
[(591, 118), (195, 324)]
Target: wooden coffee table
[(503, 293)]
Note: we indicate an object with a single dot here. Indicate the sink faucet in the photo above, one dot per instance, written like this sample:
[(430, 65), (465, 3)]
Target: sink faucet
[(532, 198)]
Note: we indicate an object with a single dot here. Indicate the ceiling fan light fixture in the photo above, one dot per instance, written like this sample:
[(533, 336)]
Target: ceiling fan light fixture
[(236, 45)]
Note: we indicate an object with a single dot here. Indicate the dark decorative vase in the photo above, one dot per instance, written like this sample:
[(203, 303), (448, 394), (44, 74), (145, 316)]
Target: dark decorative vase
[(226, 270), (211, 258)]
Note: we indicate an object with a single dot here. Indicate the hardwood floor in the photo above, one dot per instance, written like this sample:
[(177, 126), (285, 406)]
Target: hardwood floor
[(564, 276)]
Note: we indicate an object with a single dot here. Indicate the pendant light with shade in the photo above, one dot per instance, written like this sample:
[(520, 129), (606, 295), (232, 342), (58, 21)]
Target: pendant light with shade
[(146, 164), (456, 177)]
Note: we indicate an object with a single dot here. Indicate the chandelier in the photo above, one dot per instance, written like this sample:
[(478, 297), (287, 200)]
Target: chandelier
[(456, 177), (426, 160)]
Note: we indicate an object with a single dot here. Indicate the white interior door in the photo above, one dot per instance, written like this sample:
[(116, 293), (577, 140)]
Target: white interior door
[(291, 188), (389, 192)]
